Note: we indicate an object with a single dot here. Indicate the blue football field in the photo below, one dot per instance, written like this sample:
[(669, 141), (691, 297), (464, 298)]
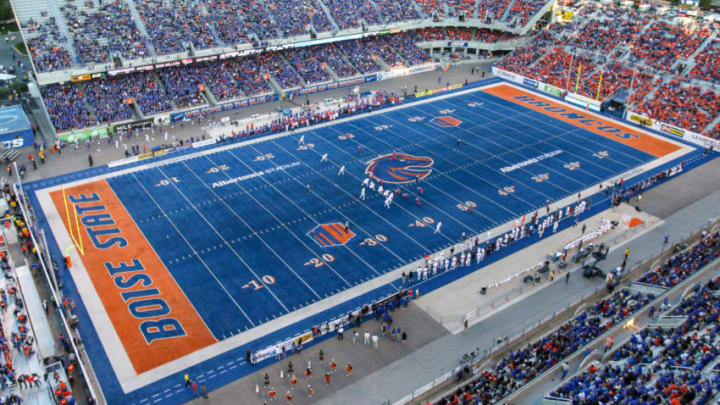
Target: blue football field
[(257, 231)]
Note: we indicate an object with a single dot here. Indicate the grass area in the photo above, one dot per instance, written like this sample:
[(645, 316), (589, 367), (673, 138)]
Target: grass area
[(7, 28), (20, 47)]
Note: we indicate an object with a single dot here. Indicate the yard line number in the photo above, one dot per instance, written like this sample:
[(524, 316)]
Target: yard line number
[(466, 206), (166, 182), (266, 279), (218, 169), (425, 221), (320, 261), (379, 238), (263, 157), (507, 190)]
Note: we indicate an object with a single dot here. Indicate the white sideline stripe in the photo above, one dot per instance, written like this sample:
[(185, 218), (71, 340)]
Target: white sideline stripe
[(118, 358)]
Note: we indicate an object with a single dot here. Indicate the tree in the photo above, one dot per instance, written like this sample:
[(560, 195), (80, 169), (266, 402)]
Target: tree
[(5, 10)]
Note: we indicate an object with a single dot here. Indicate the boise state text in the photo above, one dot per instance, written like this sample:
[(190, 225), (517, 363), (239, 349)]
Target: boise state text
[(129, 273), (399, 168)]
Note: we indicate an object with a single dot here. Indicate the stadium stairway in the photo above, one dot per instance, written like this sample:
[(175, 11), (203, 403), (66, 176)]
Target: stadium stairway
[(274, 85), (162, 88), (302, 80), (141, 26), (667, 322), (214, 32), (9, 154), (328, 14), (209, 96), (136, 111), (712, 124), (332, 73), (506, 13), (535, 18), (646, 288), (88, 105), (24, 10)]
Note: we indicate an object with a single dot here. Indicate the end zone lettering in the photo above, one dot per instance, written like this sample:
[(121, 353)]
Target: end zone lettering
[(142, 300), (596, 124), (580, 118)]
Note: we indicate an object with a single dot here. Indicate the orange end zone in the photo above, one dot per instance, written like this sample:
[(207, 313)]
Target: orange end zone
[(154, 320), (589, 122)]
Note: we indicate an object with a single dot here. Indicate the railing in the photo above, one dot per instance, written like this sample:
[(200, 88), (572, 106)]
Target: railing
[(33, 227)]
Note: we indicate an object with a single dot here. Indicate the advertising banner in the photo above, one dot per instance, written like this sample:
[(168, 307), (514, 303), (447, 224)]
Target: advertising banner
[(178, 116), (86, 134)]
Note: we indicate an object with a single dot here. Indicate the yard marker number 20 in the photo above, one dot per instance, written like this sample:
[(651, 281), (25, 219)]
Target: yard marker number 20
[(318, 262)]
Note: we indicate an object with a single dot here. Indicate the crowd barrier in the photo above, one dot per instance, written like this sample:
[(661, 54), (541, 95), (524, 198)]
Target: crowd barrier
[(690, 136)]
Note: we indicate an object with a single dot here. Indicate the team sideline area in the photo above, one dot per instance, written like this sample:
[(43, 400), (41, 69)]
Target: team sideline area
[(183, 265)]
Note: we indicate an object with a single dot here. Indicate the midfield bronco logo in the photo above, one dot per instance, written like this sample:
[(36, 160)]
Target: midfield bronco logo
[(333, 234), (399, 168)]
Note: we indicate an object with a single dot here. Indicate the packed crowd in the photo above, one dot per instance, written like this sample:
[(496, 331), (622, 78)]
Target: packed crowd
[(521, 366), (294, 17), (658, 365), (397, 10), (604, 35), (143, 88), (663, 43), (682, 105), (348, 13), (337, 63), (274, 64), (309, 62), (246, 72), (465, 34), (684, 264), (235, 21), (492, 11), (47, 45), (183, 86), (101, 30), (359, 56), (462, 7), (404, 44), (707, 63), (109, 106), (523, 10), (66, 107), (171, 25), (617, 48)]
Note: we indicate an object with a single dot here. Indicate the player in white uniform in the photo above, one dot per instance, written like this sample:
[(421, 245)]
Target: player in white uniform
[(302, 140), (437, 228), (341, 171), (362, 194), (371, 185), (380, 189), (324, 157), (366, 181)]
